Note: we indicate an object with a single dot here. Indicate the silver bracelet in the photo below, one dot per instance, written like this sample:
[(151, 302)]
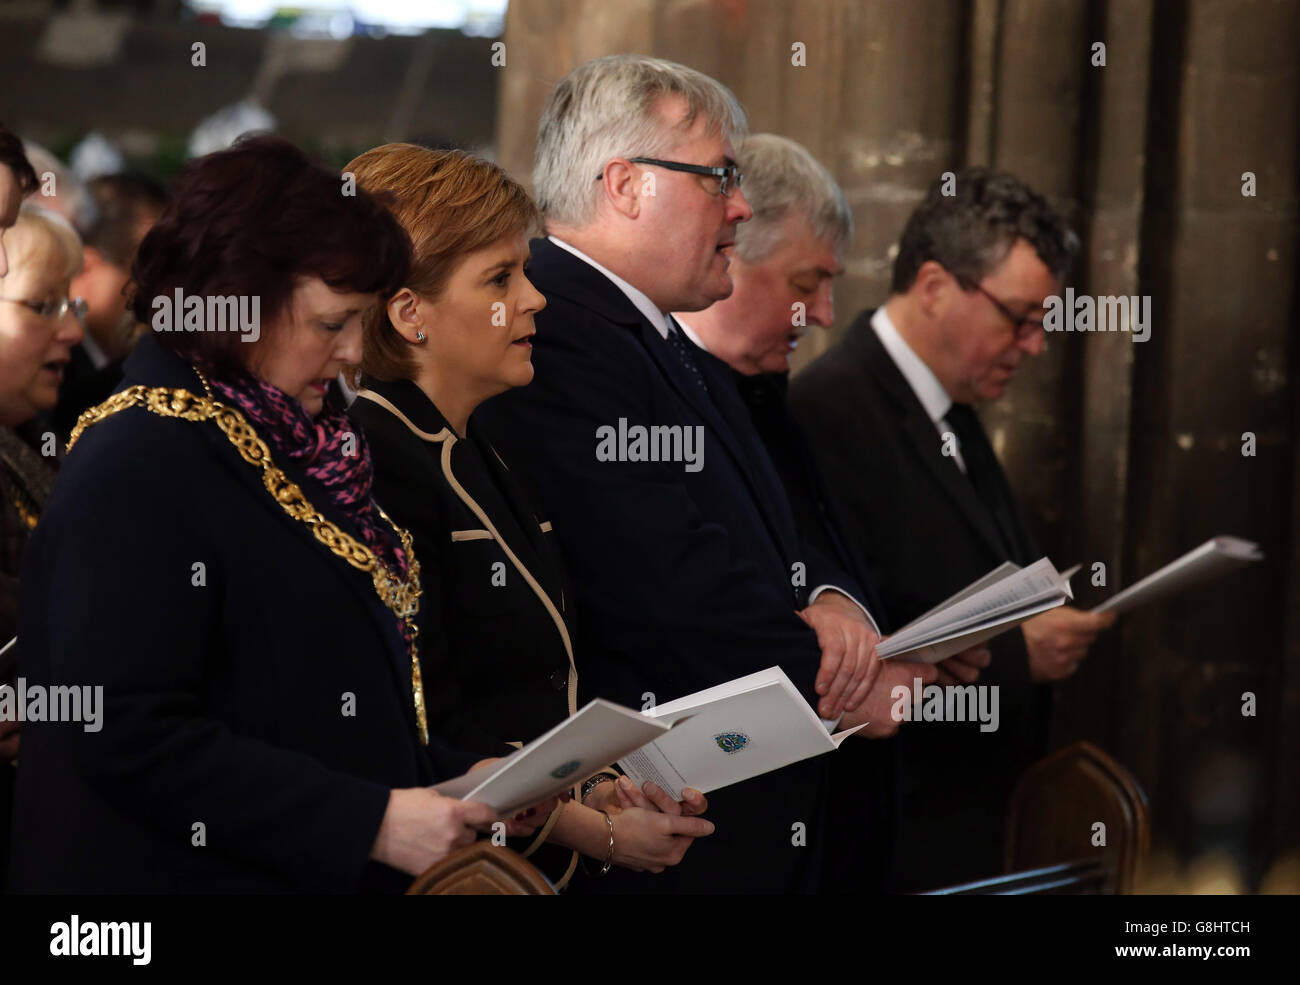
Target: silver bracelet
[(609, 859)]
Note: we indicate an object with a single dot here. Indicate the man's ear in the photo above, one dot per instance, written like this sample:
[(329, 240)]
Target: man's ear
[(933, 287), (407, 315), (621, 183)]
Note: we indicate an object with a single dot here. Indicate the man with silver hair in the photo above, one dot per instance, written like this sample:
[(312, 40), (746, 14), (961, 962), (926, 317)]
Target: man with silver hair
[(689, 573), (785, 261)]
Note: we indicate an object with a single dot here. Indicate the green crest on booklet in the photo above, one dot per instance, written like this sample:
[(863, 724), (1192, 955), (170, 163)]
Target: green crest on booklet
[(731, 742)]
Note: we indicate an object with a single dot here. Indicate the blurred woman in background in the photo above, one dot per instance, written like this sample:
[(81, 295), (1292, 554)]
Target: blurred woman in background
[(39, 254)]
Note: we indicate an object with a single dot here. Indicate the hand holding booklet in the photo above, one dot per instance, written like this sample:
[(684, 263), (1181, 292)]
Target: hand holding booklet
[(1005, 597), (732, 732), (580, 745), (1215, 556), (707, 740)]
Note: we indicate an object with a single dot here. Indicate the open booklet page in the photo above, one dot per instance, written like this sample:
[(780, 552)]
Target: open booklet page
[(734, 731), (595, 737), (993, 604), (1216, 556)]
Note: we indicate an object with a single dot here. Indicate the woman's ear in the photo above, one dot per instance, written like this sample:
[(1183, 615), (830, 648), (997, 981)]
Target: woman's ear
[(406, 315)]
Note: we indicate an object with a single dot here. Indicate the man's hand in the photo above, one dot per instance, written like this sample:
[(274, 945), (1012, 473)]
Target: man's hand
[(964, 667), (848, 644), (9, 741), (1058, 640), (879, 706)]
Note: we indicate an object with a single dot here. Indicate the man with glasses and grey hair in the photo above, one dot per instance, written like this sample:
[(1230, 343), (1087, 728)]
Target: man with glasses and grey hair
[(921, 496), (690, 570)]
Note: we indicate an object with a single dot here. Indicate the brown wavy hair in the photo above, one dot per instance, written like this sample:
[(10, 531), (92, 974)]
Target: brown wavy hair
[(450, 203)]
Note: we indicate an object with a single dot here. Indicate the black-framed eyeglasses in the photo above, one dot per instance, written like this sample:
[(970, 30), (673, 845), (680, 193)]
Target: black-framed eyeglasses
[(55, 309), (1024, 326), (729, 175)]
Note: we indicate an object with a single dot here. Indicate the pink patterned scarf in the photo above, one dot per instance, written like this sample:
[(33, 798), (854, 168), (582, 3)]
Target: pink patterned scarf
[(317, 446)]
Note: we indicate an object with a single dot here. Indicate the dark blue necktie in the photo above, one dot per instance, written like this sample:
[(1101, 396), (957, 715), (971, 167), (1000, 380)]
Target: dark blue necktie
[(677, 343)]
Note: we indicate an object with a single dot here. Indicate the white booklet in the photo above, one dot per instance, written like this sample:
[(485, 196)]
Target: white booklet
[(593, 738), (729, 733), (1215, 556), (1001, 600)]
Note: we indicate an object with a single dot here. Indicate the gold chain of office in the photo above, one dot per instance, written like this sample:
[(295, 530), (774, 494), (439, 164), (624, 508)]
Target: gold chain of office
[(402, 598)]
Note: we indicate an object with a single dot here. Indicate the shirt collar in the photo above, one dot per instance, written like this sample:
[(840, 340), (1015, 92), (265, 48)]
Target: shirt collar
[(643, 304), (690, 333), (934, 398)]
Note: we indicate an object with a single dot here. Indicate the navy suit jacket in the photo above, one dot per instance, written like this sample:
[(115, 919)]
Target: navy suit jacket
[(684, 579), (257, 710)]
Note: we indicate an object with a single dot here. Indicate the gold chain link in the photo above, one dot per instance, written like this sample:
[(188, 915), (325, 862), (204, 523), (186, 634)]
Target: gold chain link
[(402, 598)]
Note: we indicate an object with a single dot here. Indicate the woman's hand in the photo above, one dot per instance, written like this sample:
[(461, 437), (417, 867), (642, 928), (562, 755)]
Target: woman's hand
[(650, 841), (421, 827), (652, 797), (526, 822)]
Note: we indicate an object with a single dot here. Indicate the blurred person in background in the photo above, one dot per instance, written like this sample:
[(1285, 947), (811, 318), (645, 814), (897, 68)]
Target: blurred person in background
[(125, 207), (38, 327), (58, 188)]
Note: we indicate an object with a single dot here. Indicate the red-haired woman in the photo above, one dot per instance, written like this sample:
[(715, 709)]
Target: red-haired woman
[(501, 658), (246, 608)]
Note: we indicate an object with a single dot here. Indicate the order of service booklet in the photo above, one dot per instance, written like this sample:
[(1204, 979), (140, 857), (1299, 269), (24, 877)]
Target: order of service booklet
[(580, 745), (732, 732), (1005, 597), (1216, 556)]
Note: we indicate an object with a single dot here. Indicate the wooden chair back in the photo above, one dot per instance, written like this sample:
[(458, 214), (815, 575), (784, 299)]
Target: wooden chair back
[(1053, 813), (482, 869)]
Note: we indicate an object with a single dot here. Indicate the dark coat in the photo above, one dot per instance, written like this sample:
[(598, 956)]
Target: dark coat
[(265, 696), (684, 579), (496, 640), (84, 385), (863, 804), (923, 531)]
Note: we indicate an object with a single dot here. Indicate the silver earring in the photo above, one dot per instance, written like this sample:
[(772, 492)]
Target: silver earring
[(419, 336)]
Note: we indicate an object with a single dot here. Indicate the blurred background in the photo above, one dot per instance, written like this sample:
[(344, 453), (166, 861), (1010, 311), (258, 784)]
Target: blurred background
[(1124, 453)]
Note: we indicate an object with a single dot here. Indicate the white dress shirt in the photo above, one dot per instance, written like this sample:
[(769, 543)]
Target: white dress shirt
[(920, 377)]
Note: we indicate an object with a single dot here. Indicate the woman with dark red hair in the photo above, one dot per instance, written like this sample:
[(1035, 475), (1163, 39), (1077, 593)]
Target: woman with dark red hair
[(243, 643)]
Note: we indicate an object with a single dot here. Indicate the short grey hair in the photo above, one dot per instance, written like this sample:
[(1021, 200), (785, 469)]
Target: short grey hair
[(606, 108), (782, 179)]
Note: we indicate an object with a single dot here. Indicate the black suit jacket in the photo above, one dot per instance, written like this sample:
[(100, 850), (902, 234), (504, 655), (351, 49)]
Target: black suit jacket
[(684, 579), (863, 800), (265, 696), (496, 650), (924, 533), (496, 644)]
